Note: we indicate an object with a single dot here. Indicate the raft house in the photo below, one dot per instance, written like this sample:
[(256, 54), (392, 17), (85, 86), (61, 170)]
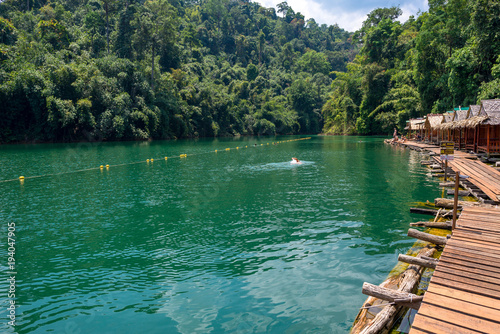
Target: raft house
[(449, 282), (475, 128)]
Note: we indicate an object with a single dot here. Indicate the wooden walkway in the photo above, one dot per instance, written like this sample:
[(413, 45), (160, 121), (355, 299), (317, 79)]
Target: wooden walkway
[(464, 291), (484, 177), (481, 175)]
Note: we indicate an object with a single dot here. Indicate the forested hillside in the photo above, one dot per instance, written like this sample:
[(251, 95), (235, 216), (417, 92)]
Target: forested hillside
[(124, 70), (448, 56)]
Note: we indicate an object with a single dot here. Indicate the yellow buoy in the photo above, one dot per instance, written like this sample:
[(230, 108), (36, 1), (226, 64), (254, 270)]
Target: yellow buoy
[(215, 151), (166, 158), (101, 166), (107, 166), (152, 160), (228, 149), (237, 148), (147, 160), (21, 177)]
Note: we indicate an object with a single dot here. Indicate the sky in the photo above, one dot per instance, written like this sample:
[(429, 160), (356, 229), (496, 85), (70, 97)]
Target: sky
[(348, 14)]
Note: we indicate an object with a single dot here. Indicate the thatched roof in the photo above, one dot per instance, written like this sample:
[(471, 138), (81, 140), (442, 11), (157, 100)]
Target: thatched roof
[(491, 110), (473, 121), (433, 121), (446, 122), (460, 115), (461, 118), (416, 124), (448, 117), (474, 110)]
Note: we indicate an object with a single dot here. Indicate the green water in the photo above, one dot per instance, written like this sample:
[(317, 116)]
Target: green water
[(237, 241)]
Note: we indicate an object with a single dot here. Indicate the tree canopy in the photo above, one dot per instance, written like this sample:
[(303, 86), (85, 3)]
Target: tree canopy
[(446, 57), (133, 69)]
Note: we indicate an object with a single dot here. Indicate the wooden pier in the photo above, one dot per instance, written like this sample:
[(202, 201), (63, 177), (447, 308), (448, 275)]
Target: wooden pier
[(464, 291), (463, 295), (482, 176)]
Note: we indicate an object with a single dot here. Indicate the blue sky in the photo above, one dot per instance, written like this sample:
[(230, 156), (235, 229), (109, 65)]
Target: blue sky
[(348, 14)]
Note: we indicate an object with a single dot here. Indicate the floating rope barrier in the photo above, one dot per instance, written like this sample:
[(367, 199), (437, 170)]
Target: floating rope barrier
[(22, 178)]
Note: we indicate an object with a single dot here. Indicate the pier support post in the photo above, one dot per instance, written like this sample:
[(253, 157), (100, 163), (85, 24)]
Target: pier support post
[(455, 200)]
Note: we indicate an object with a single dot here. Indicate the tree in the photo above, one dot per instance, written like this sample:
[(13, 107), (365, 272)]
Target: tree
[(108, 4), (155, 28)]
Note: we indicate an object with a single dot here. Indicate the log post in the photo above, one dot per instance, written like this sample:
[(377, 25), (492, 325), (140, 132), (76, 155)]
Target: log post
[(384, 320), (445, 170), (436, 240), (398, 297), (455, 200), (450, 203), (441, 225), (418, 261)]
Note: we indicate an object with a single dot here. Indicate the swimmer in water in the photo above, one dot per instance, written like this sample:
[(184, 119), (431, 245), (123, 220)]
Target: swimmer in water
[(295, 161)]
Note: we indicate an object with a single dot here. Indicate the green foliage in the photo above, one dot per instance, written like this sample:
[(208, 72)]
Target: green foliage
[(135, 70), (440, 60)]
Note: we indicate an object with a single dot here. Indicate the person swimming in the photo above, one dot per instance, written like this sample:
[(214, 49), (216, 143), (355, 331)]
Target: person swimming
[(295, 161)]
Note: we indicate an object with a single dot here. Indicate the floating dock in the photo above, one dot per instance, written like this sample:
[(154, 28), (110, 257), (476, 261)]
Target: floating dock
[(464, 291), (463, 295)]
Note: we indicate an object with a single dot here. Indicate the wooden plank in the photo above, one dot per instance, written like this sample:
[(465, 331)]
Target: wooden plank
[(474, 285), (479, 169), (465, 296), (469, 264), (476, 310), (473, 247), (465, 260), (471, 257), (424, 324), (480, 227), (472, 215), (477, 241), (483, 240), (491, 209), (477, 274), (491, 223), (468, 211), (460, 319), (448, 281), (470, 229), (484, 228)]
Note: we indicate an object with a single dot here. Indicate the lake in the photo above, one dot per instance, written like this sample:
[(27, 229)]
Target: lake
[(238, 241)]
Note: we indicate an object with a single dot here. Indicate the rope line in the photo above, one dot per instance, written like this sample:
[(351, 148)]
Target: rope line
[(22, 178)]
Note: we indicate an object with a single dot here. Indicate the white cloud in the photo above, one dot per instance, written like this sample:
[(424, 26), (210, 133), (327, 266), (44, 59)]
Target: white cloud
[(349, 21), (346, 17)]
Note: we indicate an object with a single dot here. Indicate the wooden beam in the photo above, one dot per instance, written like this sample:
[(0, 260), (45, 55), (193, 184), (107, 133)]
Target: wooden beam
[(398, 297), (418, 261), (441, 225), (386, 318), (488, 139), (436, 240), (455, 200)]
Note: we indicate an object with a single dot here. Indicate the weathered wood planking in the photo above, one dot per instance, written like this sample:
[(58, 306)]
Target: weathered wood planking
[(481, 175), (464, 292)]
